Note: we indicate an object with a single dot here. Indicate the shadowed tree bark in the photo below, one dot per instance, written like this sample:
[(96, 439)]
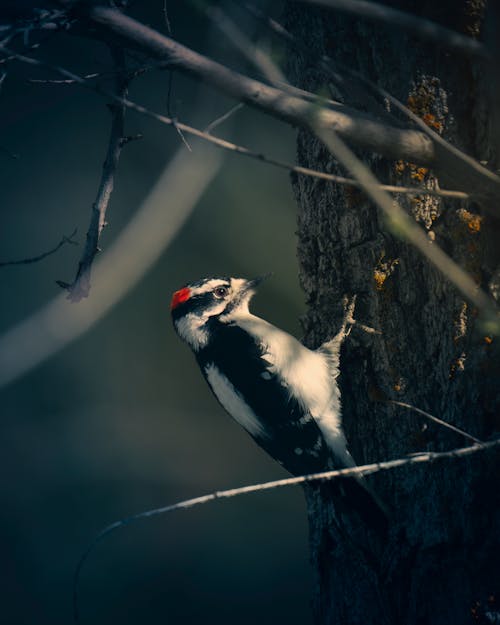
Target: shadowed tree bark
[(441, 556)]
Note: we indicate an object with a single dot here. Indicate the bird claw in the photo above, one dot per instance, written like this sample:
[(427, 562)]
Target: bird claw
[(349, 304), (348, 322)]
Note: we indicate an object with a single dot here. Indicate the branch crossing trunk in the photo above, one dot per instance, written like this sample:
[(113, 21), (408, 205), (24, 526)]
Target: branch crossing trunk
[(439, 562)]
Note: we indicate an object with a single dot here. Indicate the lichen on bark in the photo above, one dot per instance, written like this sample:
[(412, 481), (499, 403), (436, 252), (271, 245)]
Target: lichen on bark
[(442, 552)]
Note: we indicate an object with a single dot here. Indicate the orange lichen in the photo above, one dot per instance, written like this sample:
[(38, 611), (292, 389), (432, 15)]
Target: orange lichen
[(432, 122), (457, 365), (474, 224), (379, 277), (428, 101), (418, 173), (383, 270), (471, 220)]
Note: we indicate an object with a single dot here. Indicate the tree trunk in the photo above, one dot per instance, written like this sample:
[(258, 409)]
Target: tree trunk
[(440, 562)]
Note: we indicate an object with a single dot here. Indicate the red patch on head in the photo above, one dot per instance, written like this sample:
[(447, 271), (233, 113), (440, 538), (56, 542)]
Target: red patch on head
[(179, 297)]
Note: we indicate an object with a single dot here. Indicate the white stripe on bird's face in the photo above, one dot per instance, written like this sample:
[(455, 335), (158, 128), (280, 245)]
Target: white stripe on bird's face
[(208, 286)]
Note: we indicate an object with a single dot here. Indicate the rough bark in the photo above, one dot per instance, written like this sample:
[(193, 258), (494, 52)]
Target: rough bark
[(442, 554)]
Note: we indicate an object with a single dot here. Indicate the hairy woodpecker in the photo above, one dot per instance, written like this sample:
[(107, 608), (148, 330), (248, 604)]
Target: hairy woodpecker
[(283, 394)]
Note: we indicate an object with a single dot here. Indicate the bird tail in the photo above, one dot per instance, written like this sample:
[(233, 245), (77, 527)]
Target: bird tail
[(353, 494)]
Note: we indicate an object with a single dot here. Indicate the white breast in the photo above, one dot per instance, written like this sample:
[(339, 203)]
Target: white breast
[(307, 375), (233, 402)]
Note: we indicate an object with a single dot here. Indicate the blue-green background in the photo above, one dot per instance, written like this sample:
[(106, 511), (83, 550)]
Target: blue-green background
[(121, 420)]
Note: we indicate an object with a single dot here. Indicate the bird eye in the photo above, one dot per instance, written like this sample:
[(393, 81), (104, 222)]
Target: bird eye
[(220, 292)]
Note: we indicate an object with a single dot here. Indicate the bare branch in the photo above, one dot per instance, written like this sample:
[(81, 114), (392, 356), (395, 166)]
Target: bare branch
[(360, 129), (178, 129), (404, 226), (227, 145), (80, 287), (463, 166), (128, 73), (35, 259), (431, 417), (261, 60), (138, 246), (367, 469), (166, 18), (398, 220), (171, 81), (51, 21), (412, 23), (67, 81), (466, 172), (220, 120), (130, 138)]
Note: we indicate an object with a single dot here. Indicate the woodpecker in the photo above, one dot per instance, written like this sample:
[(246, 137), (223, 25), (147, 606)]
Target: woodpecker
[(283, 394)]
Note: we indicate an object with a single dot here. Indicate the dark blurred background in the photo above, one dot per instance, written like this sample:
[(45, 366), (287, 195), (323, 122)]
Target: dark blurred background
[(121, 420)]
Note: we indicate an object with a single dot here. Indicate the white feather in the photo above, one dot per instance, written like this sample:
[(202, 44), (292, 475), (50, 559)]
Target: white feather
[(191, 329), (309, 376), (233, 402)]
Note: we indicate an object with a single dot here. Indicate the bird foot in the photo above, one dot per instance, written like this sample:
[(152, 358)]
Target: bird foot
[(349, 304)]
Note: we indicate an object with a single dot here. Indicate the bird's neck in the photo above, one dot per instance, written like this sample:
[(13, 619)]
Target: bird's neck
[(193, 329)]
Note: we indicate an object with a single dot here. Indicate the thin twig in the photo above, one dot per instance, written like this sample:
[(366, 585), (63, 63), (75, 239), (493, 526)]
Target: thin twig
[(35, 259), (130, 138), (166, 18), (67, 81), (130, 73), (431, 417), (227, 145), (171, 83), (138, 245), (13, 55), (367, 469), (46, 23), (412, 23), (178, 129), (220, 120), (80, 287)]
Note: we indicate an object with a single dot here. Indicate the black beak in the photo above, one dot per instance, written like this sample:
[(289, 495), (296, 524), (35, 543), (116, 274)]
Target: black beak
[(252, 284)]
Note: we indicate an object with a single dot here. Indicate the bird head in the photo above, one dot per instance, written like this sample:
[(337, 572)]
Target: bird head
[(195, 304)]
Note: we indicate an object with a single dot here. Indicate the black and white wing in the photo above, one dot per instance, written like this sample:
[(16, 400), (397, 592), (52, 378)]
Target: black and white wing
[(244, 381)]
